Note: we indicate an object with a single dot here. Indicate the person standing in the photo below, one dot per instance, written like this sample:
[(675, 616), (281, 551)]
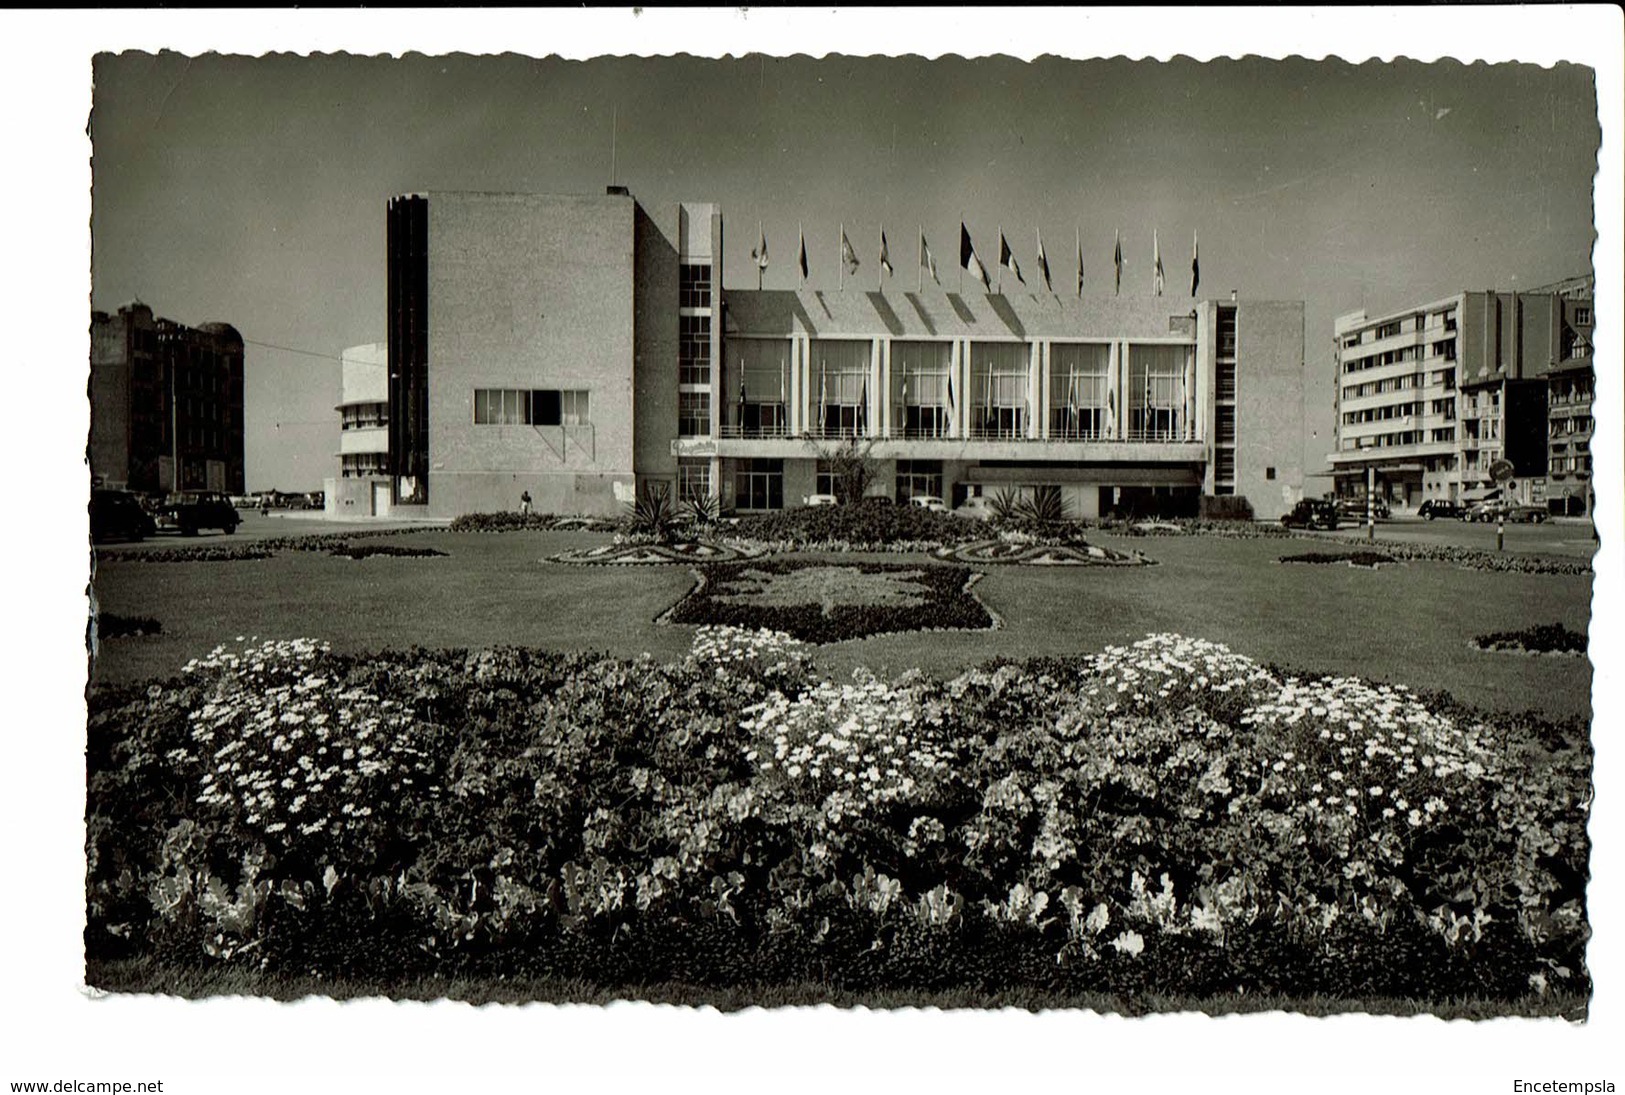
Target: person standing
[(524, 503)]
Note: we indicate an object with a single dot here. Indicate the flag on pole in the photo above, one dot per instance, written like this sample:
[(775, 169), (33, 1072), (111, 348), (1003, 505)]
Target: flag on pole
[(1117, 261), (849, 257), (1196, 266), (1156, 263), (741, 394), (885, 255), (823, 394), (759, 253), (803, 240), (1043, 262), (968, 259), (1007, 259), (1079, 232), (927, 262)]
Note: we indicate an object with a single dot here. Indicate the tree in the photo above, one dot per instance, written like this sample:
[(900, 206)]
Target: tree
[(852, 468)]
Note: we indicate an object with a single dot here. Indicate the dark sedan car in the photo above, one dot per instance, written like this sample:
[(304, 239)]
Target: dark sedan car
[(117, 515), (192, 510), (1312, 513), (1435, 508)]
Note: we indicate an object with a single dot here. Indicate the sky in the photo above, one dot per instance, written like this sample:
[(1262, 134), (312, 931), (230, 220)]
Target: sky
[(252, 190)]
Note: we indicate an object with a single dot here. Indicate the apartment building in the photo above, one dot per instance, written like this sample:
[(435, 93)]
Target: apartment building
[(575, 347), (362, 488), (166, 403), (1430, 398)]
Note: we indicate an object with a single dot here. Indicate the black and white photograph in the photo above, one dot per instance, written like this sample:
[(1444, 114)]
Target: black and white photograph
[(617, 555)]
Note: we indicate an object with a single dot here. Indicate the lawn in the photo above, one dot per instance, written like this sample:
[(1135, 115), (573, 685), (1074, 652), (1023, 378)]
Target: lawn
[(1410, 624)]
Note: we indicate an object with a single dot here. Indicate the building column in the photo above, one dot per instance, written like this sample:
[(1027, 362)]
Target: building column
[(881, 370), (1114, 390), (1035, 354), (795, 414)]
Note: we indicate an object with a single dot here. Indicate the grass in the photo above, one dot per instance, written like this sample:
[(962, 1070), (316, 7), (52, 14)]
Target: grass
[(146, 976), (1410, 625)]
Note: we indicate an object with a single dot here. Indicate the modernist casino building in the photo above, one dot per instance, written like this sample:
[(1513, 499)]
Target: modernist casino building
[(575, 347)]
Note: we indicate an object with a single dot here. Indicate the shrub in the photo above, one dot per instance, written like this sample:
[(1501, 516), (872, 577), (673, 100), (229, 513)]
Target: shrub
[(875, 523), (111, 626), (1352, 558), (653, 513), (353, 551), (1555, 638), (1046, 505), (1225, 507)]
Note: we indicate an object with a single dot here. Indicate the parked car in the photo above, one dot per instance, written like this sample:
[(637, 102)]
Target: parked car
[(1527, 514), (117, 515), (1435, 508), (978, 507), (1355, 510), (1485, 511), (819, 500), (928, 501), (191, 510), (244, 501), (1312, 513)]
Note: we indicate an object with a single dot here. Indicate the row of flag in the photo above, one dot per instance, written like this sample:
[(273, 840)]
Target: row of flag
[(971, 262)]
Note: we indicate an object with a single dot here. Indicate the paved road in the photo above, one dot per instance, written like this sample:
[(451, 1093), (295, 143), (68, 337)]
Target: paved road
[(1565, 537), (257, 526)]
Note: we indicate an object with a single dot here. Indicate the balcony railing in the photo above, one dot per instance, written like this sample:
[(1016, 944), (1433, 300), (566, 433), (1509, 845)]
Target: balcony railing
[(731, 431)]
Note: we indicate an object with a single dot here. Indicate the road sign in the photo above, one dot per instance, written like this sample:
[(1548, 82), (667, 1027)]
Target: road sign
[(1502, 471)]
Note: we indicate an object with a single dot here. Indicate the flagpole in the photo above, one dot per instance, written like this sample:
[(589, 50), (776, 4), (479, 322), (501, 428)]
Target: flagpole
[(761, 238), (1078, 234), (962, 232), (801, 255), (840, 262), (920, 288), (1000, 286), (880, 267)]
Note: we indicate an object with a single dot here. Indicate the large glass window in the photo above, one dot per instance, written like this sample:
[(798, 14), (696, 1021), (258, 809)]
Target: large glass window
[(759, 484), (918, 477), (920, 384), (840, 371), (998, 389), (1156, 395), (360, 416), (358, 464), (756, 372), (1078, 391)]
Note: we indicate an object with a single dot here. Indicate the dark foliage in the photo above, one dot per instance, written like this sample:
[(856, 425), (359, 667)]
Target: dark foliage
[(1542, 639), (1353, 558)]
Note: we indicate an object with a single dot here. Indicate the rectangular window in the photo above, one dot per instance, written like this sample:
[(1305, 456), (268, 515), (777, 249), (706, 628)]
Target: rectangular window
[(823, 479), (693, 414), (1224, 424), (918, 477), (920, 378), (1156, 396), (840, 375), (694, 285), (517, 407), (693, 478), (759, 485), (1224, 465), (1078, 388), (1582, 316), (998, 389), (1388, 330), (755, 382), (693, 349), (1227, 335)]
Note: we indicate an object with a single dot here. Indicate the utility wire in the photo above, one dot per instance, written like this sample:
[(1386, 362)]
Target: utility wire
[(292, 350)]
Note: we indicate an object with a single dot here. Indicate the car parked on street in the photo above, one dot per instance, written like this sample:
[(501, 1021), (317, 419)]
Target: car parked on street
[(819, 500), (1312, 513), (117, 515), (1527, 514), (190, 510), (978, 507), (1481, 512), (1354, 509), (928, 501), (1436, 508)]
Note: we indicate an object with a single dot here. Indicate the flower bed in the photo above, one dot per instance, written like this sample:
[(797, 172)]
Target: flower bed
[(395, 551), (534, 522), (233, 554), (824, 602), (111, 626), (868, 526), (1029, 553), (1371, 559), (654, 554), (1158, 819), (1542, 639)]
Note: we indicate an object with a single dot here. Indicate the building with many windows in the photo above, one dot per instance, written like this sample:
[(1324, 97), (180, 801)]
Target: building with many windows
[(166, 403), (573, 348), (1570, 388), (1430, 398), (362, 487)]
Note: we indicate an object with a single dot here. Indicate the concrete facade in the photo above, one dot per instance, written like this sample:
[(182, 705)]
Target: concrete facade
[(1430, 398), (363, 435), (166, 403), (578, 347)]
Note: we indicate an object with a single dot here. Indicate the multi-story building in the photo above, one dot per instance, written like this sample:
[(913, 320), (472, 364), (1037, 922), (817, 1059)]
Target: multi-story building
[(1570, 388), (166, 403), (574, 348), (362, 487), (1430, 398)]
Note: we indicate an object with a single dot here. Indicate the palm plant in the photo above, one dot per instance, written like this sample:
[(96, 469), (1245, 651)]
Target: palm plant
[(1045, 506), (1005, 504), (703, 510), (653, 513)]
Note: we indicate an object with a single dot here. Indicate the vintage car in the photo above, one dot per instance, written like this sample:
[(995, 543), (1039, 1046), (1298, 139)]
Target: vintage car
[(1312, 513), (190, 510), (1436, 508), (117, 515)]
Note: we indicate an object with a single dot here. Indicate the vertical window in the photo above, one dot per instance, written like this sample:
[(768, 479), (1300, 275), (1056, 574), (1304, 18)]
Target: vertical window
[(840, 375), (823, 479), (693, 479), (1078, 386), (694, 285), (693, 349), (756, 383), (920, 387), (693, 414), (998, 389), (1156, 395)]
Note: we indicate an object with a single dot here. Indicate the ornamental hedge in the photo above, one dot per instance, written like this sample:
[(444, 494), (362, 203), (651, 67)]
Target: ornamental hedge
[(1158, 819)]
